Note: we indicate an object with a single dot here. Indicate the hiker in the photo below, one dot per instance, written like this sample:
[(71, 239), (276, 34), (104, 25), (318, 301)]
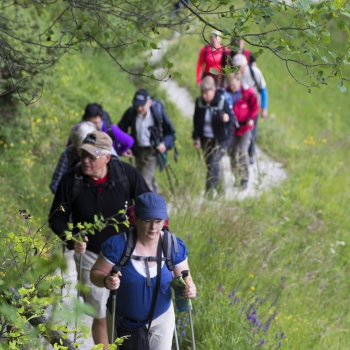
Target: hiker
[(211, 56), (236, 41), (144, 118), (122, 142), (69, 157), (101, 186), (212, 123), (139, 275), (252, 76), (246, 110)]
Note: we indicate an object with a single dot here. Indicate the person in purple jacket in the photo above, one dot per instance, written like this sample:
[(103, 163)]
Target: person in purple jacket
[(122, 142)]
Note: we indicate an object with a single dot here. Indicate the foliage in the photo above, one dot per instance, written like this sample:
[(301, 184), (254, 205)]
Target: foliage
[(300, 37)]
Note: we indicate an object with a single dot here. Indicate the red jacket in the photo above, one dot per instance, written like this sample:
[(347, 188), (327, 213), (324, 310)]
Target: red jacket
[(245, 108), (210, 58)]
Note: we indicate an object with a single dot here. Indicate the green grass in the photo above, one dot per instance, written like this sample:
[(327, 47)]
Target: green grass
[(282, 253)]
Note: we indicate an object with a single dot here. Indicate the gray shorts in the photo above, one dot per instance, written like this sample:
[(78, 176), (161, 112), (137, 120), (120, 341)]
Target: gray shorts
[(96, 297)]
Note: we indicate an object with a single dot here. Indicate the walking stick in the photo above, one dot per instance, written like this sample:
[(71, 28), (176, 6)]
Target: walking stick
[(176, 339), (114, 273), (80, 271), (185, 278)]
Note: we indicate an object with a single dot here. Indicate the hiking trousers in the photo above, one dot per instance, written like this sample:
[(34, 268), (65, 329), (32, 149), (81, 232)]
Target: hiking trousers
[(239, 155), (212, 152), (146, 164)]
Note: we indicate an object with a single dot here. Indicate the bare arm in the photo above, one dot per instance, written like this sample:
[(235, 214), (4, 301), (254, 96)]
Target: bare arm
[(98, 274)]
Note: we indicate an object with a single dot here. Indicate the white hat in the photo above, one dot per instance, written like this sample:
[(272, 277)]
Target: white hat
[(239, 60)]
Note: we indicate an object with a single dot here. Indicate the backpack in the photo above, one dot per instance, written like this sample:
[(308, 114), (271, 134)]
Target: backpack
[(107, 121), (169, 239), (118, 168)]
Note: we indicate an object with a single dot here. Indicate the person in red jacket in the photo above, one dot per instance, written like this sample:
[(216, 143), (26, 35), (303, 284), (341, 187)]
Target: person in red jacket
[(211, 56), (246, 109)]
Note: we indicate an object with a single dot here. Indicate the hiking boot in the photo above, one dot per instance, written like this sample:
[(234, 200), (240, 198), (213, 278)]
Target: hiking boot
[(244, 184)]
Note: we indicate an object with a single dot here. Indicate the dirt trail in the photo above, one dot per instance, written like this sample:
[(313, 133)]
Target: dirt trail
[(263, 174)]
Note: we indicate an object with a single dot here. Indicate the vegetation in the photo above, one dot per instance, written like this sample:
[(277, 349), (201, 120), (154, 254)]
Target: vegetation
[(271, 271)]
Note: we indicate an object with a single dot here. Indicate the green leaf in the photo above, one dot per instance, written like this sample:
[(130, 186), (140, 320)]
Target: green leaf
[(326, 39), (154, 46), (213, 71)]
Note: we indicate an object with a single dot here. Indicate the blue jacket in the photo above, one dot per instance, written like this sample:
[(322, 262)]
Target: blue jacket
[(161, 121)]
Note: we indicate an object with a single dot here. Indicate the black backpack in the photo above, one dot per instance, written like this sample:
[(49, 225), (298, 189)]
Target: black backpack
[(118, 169), (107, 121)]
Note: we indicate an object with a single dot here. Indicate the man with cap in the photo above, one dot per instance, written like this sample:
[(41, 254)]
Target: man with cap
[(151, 213), (149, 125), (101, 186)]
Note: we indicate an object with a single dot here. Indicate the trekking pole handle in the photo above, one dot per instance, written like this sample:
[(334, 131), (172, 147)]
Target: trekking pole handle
[(185, 275), (115, 270)]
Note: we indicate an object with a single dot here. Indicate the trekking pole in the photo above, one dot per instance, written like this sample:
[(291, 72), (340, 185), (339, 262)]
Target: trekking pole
[(80, 271), (185, 278), (176, 339), (255, 153), (115, 270)]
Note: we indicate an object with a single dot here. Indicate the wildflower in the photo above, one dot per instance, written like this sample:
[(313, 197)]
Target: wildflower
[(262, 342), (210, 240), (276, 337), (253, 288), (282, 335), (282, 278), (309, 274), (244, 242), (232, 294), (279, 345), (183, 334)]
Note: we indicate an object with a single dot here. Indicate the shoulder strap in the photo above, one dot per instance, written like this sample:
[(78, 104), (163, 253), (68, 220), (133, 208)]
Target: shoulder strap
[(131, 237), (159, 107), (205, 50), (77, 183), (169, 240), (121, 177), (253, 75)]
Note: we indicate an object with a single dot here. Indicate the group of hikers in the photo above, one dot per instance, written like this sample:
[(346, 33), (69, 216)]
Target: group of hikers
[(91, 181)]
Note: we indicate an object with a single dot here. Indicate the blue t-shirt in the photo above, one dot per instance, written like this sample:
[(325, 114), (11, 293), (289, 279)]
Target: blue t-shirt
[(134, 297)]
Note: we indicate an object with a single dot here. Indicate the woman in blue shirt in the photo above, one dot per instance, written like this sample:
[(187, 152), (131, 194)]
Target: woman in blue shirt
[(135, 289)]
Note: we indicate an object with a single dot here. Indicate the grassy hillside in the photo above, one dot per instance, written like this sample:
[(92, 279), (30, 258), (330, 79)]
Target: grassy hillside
[(270, 271)]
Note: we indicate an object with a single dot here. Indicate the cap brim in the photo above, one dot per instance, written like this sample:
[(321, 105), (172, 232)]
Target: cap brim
[(90, 149), (139, 103), (153, 215)]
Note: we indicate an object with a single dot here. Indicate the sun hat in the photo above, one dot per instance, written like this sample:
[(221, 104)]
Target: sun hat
[(150, 205)]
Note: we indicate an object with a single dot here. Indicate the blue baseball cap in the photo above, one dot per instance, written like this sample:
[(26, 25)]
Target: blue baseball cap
[(141, 97), (150, 206)]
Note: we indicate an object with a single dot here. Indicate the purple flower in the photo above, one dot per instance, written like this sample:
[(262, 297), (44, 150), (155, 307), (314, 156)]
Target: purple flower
[(210, 240), (276, 337), (183, 334), (195, 312), (279, 345), (282, 335), (232, 294), (309, 274), (178, 321), (282, 278), (244, 242), (262, 342)]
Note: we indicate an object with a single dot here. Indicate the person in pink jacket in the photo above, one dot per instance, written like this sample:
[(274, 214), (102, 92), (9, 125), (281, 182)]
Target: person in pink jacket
[(211, 56), (246, 109)]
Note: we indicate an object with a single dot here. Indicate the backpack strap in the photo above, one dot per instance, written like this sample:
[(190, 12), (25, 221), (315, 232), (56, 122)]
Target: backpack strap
[(77, 183), (131, 238), (159, 107), (253, 75), (169, 240)]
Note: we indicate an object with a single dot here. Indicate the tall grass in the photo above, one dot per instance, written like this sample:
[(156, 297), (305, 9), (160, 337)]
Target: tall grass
[(270, 271)]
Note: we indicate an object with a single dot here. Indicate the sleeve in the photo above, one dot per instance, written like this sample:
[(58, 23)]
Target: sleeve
[(60, 170), (264, 97), (124, 140), (137, 182), (124, 122), (168, 131), (113, 248), (182, 255), (59, 218), (200, 64)]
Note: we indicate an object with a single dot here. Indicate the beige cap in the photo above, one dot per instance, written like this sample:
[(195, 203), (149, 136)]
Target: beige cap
[(96, 142)]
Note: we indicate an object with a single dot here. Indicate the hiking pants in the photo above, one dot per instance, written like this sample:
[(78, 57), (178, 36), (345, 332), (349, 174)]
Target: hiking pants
[(254, 138), (146, 164), (212, 152), (239, 155)]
